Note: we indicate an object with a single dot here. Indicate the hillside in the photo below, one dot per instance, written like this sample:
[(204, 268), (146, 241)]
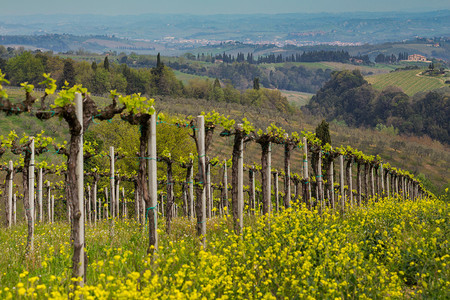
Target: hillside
[(420, 155), (410, 81)]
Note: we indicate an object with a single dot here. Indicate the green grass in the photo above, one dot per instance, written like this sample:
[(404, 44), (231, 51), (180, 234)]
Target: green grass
[(298, 99), (411, 82), (185, 78)]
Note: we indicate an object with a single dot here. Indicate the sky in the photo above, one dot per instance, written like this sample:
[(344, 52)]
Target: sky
[(136, 7)]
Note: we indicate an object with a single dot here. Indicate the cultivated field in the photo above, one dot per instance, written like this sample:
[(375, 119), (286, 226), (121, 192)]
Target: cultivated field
[(409, 81)]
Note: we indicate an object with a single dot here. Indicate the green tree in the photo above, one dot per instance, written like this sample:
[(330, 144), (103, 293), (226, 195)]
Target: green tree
[(68, 73), (256, 83), (323, 132), (106, 64), (24, 67)]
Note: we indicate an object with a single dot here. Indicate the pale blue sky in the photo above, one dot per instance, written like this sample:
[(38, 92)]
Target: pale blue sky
[(116, 7)]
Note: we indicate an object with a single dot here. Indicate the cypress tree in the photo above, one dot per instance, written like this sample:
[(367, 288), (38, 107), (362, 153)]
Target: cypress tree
[(68, 73), (256, 83), (158, 61), (106, 64), (323, 132)]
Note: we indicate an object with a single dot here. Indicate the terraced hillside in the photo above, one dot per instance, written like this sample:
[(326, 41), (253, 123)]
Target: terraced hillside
[(409, 81)]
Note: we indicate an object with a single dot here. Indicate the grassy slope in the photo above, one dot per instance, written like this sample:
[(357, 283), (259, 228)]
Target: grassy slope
[(409, 81)]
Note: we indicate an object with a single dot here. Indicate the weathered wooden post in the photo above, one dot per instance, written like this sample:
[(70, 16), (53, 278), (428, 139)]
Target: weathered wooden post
[(225, 187), (31, 194), (89, 215), (266, 175), (9, 207), (240, 184), (348, 171), (372, 181), (112, 201), (319, 179), (137, 203), (208, 190), (105, 209), (201, 219), (397, 186), (125, 206), (386, 182), (287, 172), (275, 191), (152, 211), (308, 199), (252, 194), (237, 178), (53, 208), (381, 175), (15, 208), (41, 211), (117, 186), (79, 243), (341, 182), (162, 204), (94, 196), (49, 204), (191, 189), (331, 184), (359, 181)]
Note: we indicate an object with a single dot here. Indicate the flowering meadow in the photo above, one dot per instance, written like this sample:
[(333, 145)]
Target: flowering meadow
[(387, 249)]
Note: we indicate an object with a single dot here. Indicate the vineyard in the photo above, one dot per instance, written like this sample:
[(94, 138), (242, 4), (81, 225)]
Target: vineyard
[(411, 82), (165, 227)]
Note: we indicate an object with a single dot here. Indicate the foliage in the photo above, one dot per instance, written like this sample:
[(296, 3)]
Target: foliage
[(348, 97)]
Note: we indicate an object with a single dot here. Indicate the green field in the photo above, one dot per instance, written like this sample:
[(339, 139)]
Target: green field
[(411, 82), (298, 99), (185, 78)]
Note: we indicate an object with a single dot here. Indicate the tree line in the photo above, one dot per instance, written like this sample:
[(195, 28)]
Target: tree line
[(306, 56), (348, 97), (101, 77)]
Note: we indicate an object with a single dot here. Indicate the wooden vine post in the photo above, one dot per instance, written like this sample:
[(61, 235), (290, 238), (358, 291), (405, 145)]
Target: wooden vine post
[(348, 175), (288, 147), (307, 192), (39, 194), (341, 183), (201, 196), (152, 186), (190, 180), (252, 192), (170, 209), (78, 205), (112, 196), (9, 203), (381, 175), (319, 180), (49, 202), (31, 215), (209, 201), (359, 180), (225, 187), (331, 182), (276, 190), (266, 161)]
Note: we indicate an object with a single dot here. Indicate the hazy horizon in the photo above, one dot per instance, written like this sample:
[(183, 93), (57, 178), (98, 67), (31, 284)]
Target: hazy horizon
[(214, 7)]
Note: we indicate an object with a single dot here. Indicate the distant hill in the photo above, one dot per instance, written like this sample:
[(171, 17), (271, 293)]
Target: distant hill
[(410, 81), (185, 32)]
